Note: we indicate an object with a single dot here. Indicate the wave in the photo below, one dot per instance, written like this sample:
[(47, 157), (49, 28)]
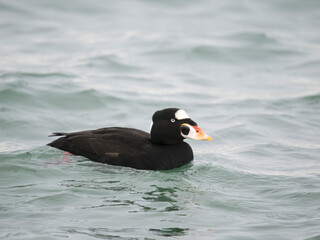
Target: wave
[(32, 75), (109, 63)]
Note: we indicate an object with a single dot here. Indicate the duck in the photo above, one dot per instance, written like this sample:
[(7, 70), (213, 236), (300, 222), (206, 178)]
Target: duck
[(161, 149)]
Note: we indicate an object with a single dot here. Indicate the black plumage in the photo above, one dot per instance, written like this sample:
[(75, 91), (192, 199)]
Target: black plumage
[(162, 149)]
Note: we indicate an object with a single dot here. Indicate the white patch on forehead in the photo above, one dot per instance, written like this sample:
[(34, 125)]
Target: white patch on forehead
[(181, 114)]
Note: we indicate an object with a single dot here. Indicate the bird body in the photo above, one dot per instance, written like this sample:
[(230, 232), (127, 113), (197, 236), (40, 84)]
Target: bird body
[(163, 149)]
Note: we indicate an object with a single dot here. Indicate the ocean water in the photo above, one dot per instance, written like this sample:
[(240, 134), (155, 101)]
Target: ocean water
[(246, 71)]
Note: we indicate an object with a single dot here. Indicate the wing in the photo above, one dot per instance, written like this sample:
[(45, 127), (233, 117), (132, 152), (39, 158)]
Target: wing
[(103, 145)]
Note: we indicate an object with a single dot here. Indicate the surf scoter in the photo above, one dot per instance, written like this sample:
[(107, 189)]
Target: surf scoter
[(162, 149)]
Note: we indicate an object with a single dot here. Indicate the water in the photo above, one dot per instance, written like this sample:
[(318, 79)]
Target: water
[(247, 72)]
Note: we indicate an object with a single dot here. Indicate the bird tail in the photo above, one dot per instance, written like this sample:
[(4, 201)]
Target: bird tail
[(56, 134)]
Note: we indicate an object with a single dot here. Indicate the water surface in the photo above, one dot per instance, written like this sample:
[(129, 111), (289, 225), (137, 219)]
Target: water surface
[(247, 72)]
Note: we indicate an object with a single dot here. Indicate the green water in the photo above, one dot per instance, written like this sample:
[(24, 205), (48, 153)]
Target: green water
[(247, 72)]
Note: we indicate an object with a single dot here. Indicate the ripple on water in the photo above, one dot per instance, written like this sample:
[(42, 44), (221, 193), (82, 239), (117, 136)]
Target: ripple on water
[(225, 54), (109, 62)]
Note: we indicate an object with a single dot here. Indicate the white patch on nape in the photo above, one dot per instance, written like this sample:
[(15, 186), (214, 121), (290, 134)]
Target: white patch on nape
[(181, 114), (151, 126)]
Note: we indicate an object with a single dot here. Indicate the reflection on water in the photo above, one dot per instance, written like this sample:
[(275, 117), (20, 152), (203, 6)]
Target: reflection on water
[(170, 232)]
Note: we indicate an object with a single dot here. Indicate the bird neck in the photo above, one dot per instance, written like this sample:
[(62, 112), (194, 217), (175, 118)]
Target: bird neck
[(159, 139)]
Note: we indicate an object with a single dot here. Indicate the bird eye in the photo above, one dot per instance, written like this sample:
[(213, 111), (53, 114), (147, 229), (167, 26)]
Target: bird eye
[(173, 120)]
